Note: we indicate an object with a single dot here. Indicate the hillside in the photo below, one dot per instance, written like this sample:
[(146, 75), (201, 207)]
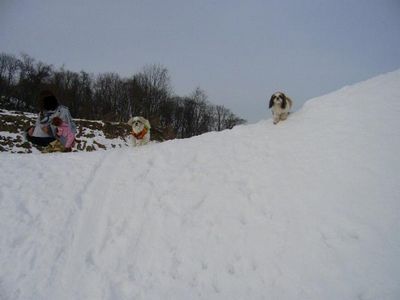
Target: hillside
[(306, 209), (91, 135)]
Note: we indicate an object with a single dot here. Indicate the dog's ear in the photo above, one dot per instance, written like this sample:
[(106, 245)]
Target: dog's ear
[(271, 101), (145, 122), (130, 122), (284, 101)]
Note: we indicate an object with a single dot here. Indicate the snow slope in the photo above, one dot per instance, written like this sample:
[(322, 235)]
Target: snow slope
[(306, 209)]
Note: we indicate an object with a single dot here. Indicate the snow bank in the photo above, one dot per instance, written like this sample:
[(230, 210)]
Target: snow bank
[(306, 209)]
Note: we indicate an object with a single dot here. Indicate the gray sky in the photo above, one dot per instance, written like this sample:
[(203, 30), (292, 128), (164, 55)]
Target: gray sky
[(239, 52)]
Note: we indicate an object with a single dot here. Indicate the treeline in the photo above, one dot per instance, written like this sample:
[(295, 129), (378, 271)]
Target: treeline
[(108, 96)]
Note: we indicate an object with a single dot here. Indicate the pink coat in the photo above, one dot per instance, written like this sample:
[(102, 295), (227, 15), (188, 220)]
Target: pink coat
[(66, 136)]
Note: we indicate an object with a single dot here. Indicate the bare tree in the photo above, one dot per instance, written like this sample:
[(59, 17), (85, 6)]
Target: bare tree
[(155, 88), (9, 67), (221, 114), (32, 77)]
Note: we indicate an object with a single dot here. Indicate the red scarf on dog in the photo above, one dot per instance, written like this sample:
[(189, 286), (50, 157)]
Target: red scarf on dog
[(141, 134)]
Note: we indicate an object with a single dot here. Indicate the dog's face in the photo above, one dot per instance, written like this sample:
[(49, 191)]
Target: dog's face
[(138, 124), (278, 99)]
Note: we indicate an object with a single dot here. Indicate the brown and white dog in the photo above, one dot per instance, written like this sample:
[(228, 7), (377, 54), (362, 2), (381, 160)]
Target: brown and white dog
[(280, 105), (140, 134)]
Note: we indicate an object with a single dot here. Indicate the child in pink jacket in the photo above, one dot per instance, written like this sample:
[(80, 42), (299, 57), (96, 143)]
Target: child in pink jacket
[(64, 133)]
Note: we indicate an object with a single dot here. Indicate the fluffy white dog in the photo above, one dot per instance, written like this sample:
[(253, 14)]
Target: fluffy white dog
[(140, 131), (280, 105)]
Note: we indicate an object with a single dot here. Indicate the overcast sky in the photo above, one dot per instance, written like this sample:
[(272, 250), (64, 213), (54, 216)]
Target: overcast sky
[(238, 52)]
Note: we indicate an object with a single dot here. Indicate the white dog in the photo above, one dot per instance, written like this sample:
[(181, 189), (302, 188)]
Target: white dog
[(280, 104), (140, 131)]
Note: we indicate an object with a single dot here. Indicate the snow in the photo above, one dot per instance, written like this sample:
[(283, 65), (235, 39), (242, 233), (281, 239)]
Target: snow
[(17, 113), (306, 209), (97, 141)]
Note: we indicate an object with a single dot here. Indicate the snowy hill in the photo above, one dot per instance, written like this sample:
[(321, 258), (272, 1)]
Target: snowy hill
[(91, 135), (306, 209)]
